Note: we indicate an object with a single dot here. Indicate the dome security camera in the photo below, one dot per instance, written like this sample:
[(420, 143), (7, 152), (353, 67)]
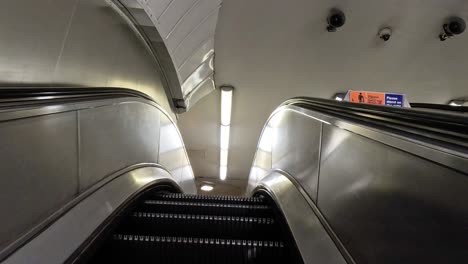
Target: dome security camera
[(335, 20), (453, 27), (385, 33)]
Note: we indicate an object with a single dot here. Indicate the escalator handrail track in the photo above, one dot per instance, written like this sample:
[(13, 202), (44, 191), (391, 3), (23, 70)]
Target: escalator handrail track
[(445, 128)]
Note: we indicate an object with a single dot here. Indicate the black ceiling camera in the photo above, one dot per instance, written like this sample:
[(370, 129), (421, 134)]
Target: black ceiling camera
[(454, 26), (385, 33), (335, 20)]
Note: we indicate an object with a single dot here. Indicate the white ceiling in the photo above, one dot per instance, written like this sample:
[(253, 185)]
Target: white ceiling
[(272, 50)]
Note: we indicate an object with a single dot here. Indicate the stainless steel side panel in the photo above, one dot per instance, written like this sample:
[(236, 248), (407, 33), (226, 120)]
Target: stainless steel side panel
[(296, 147), (173, 155), (384, 197), (62, 238), (115, 137), (34, 185), (312, 240), (74, 43), (388, 206), (32, 38), (54, 153)]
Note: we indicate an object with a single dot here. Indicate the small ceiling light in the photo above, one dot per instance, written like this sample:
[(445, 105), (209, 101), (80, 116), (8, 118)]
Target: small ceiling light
[(206, 188), (452, 103)]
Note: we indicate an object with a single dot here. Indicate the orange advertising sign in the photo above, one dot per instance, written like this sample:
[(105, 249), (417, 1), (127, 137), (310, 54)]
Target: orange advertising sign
[(367, 97)]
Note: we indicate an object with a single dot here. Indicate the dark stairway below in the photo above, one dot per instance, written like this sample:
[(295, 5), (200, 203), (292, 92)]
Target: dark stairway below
[(178, 228)]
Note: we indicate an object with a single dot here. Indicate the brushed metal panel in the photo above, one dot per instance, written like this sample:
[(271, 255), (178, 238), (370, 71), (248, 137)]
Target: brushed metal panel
[(187, 182), (295, 149), (32, 37), (114, 137), (311, 238), (388, 206), (57, 243), (101, 49), (38, 168), (173, 156)]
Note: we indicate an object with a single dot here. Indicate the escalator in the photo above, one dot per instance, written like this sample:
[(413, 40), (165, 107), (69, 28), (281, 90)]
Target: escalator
[(344, 183), (163, 227)]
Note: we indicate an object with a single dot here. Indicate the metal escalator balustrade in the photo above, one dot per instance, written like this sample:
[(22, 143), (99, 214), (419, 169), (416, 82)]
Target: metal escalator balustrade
[(180, 228)]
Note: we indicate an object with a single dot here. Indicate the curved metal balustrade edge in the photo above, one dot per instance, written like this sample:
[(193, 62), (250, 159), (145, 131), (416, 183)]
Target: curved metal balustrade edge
[(88, 213), (305, 221), (450, 157)]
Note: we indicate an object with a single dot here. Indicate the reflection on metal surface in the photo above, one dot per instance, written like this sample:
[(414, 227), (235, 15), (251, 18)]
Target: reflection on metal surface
[(267, 139), (290, 141), (72, 44), (206, 188), (79, 145), (169, 140), (51, 247), (376, 196), (379, 191), (447, 157), (312, 239), (339, 136), (173, 155)]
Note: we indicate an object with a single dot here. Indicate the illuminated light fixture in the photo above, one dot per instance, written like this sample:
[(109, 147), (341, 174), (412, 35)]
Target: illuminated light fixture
[(222, 172), (226, 106), (452, 103), (206, 188), (223, 158), (224, 142), (339, 96)]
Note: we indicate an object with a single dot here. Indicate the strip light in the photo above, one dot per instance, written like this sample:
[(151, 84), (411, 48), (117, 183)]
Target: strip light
[(226, 105)]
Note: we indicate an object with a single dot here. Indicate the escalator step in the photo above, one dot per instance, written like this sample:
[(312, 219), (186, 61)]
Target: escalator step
[(210, 198), (170, 249), (259, 220), (233, 227), (187, 207)]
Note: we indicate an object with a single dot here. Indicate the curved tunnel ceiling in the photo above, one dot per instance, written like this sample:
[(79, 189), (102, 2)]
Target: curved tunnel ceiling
[(187, 28), (272, 50)]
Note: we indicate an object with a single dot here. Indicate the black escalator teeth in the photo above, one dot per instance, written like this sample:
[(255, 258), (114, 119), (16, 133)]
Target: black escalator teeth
[(192, 240), (180, 228), (226, 205), (177, 196)]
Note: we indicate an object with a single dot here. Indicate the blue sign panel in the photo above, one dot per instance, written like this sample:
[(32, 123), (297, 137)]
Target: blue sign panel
[(394, 99)]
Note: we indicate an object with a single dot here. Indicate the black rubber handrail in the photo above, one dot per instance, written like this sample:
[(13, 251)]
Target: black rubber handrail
[(17, 93), (11, 98), (443, 107), (439, 128)]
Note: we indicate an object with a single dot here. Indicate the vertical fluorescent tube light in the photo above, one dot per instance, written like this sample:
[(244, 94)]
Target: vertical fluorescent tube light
[(226, 105)]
